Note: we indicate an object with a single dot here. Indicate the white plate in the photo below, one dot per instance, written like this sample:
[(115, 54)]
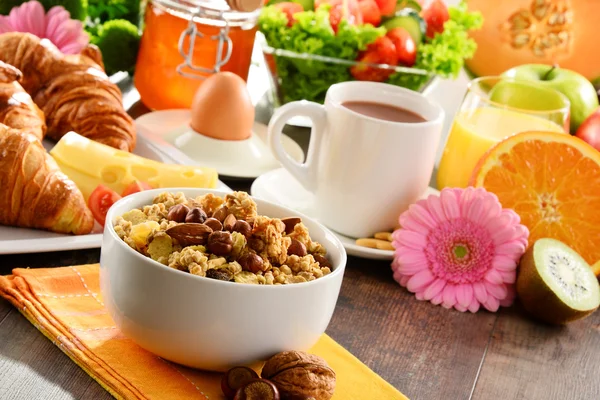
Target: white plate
[(22, 240), (281, 187), (246, 159)]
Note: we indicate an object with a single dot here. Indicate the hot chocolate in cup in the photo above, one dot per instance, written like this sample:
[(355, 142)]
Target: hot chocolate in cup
[(371, 153)]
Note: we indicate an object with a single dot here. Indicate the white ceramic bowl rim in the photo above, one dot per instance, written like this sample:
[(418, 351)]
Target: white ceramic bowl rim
[(337, 269)]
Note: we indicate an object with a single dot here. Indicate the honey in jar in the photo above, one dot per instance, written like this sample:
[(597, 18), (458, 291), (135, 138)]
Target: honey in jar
[(184, 42)]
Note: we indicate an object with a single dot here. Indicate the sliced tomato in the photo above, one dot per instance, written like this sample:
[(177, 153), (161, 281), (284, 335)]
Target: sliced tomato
[(100, 201), (134, 187), (386, 7), (435, 16), (406, 49), (382, 51), (370, 12), (289, 9), (348, 11)]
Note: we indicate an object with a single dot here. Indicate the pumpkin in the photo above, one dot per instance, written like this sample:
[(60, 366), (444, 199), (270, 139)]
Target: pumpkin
[(516, 32)]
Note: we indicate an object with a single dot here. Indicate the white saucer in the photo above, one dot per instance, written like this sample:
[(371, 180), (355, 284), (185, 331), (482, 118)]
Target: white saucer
[(279, 186), (240, 159)]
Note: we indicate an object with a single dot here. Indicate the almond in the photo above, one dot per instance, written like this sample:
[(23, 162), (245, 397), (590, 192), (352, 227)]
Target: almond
[(190, 234)]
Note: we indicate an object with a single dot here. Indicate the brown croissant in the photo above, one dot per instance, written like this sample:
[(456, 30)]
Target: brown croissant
[(35, 194), (74, 92), (17, 110)]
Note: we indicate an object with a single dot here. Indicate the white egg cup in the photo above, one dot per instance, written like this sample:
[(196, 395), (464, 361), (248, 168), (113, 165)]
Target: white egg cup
[(247, 158)]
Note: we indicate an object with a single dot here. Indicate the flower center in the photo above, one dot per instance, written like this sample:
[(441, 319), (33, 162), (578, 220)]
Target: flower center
[(460, 251)]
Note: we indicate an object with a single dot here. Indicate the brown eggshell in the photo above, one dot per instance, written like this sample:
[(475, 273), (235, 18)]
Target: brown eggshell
[(222, 108)]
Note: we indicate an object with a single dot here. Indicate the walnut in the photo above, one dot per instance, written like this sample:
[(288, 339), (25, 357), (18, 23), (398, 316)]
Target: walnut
[(300, 375)]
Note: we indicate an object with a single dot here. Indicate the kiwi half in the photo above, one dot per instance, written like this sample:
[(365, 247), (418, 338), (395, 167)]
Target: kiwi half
[(555, 284)]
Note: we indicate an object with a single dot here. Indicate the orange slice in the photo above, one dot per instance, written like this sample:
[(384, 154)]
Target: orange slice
[(552, 181)]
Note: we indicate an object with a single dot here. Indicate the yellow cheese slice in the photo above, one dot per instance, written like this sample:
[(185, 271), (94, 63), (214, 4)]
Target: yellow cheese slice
[(90, 163)]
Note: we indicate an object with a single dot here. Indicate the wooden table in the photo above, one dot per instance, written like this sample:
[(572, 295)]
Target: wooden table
[(425, 351)]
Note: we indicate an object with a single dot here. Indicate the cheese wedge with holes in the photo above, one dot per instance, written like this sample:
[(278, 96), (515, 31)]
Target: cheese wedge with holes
[(90, 163)]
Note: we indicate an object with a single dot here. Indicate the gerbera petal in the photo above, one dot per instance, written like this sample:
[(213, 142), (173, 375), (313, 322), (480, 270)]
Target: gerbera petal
[(491, 304), (419, 212), (511, 248), (508, 276), (493, 277), (410, 256), (504, 263), (55, 18), (502, 236), (450, 204), (411, 239), (33, 18), (449, 297), (511, 294), (479, 292), (434, 289), (497, 291), (420, 280), (437, 300), (419, 296), (460, 307), (434, 206), (5, 25), (464, 294), (474, 306), (411, 269)]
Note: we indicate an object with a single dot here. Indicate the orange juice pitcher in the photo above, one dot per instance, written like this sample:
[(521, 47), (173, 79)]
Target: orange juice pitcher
[(186, 41)]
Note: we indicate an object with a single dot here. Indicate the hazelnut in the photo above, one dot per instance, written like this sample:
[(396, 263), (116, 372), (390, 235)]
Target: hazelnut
[(229, 222), (323, 262), (252, 262), (220, 243), (196, 215), (297, 248), (221, 274), (258, 389), (290, 223), (214, 224), (221, 213), (242, 227), (178, 212), (235, 378), (300, 375)]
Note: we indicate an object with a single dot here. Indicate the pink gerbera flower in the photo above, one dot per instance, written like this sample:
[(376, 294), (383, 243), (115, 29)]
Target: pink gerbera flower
[(459, 249), (56, 26)]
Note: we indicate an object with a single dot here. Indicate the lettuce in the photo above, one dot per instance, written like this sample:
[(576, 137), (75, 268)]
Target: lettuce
[(309, 79)]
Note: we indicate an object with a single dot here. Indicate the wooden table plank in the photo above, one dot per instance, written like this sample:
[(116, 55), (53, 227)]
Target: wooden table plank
[(32, 367), (426, 351), (530, 360)]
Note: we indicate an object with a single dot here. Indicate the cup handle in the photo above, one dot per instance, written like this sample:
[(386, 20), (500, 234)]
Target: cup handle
[(305, 172)]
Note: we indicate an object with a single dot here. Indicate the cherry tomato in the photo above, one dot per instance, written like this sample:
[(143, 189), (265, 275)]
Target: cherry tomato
[(338, 12), (289, 9), (382, 51), (386, 7), (435, 16), (100, 201), (370, 12), (406, 49), (134, 187)]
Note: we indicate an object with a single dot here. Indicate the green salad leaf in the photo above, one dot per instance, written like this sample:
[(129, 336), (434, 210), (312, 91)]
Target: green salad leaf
[(312, 34), (309, 79)]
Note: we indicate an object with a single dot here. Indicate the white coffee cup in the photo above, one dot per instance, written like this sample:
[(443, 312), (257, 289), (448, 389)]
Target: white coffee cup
[(363, 171)]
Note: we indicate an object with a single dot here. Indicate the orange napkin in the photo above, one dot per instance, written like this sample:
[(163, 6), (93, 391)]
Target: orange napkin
[(65, 304)]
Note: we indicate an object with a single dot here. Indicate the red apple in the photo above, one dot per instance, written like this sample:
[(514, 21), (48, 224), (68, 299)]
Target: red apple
[(589, 131)]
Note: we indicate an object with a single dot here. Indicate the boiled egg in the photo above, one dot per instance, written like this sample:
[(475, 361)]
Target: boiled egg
[(222, 108)]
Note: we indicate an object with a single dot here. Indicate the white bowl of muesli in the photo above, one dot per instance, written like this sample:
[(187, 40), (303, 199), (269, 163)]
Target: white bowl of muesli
[(212, 279)]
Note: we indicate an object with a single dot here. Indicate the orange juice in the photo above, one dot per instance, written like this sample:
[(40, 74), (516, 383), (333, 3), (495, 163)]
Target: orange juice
[(477, 130)]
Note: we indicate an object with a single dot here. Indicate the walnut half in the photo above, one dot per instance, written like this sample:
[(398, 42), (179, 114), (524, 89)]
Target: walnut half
[(300, 375)]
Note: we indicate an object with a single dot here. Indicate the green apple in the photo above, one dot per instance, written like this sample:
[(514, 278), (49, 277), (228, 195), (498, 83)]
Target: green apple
[(576, 87)]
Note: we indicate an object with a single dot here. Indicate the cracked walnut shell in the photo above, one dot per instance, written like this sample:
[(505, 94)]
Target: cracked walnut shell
[(300, 375)]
